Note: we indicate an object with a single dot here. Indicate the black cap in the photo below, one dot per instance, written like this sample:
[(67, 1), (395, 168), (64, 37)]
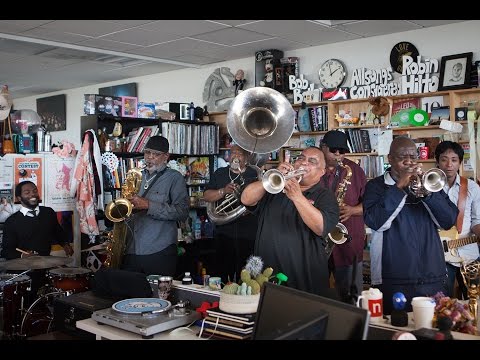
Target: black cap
[(335, 139), (158, 143)]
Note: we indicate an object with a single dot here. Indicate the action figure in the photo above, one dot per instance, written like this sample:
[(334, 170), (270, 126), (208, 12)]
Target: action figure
[(239, 81)]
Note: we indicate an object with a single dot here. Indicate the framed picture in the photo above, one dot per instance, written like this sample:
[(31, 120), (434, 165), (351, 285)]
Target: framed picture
[(129, 106), (455, 71), (52, 110), (439, 114)]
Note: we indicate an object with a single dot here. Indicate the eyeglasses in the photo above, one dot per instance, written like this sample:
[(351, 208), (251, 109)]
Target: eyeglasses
[(333, 150), (311, 161), (152, 153)]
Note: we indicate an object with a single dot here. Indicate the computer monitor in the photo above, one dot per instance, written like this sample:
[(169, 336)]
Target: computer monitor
[(281, 308)]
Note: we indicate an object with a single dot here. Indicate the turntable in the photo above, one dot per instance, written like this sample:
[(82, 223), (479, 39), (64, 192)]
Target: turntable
[(146, 316)]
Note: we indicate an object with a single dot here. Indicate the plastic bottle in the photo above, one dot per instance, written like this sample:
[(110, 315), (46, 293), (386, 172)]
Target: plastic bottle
[(191, 110), (197, 228), (208, 229), (187, 279)]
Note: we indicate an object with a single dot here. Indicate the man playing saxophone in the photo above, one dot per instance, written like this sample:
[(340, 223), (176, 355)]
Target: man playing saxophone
[(160, 203), (405, 251), (347, 180), (292, 224)]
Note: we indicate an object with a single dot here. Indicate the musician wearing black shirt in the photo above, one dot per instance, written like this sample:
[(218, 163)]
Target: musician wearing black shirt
[(33, 229)]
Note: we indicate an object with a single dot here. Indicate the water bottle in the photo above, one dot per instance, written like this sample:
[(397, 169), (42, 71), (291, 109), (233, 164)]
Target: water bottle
[(191, 110), (208, 229), (197, 228), (48, 142)]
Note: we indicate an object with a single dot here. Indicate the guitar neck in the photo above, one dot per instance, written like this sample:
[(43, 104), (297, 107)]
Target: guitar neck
[(456, 243)]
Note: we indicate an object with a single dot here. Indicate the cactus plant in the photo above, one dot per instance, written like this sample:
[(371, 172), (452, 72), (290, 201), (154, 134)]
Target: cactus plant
[(231, 288)]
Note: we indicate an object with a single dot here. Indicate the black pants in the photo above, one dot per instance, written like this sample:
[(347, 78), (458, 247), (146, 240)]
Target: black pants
[(234, 242), (161, 263)]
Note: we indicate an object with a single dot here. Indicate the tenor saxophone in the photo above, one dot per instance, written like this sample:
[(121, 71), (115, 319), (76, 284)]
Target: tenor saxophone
[(339, 235)]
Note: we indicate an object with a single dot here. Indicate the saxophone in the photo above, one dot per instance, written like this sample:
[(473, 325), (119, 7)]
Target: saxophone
[(118, 211), (340, 234)]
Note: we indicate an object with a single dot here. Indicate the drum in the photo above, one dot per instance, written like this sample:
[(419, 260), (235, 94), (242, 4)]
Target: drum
[(38, 318), (14, 299), (72, 280)]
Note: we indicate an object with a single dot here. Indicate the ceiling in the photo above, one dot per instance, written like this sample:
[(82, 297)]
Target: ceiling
[(42, 56)]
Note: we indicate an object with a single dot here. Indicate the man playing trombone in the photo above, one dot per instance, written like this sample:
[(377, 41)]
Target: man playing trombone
[(293, 223), (404, 212)]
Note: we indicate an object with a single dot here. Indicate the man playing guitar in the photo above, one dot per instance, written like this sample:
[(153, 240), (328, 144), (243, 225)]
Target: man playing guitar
[(466, 194)]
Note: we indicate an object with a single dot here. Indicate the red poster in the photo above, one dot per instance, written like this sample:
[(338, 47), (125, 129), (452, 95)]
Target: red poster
[(29, 168)]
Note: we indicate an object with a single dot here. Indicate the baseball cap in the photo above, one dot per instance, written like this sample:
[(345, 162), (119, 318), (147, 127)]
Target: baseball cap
[(158, 143), (335, 139)]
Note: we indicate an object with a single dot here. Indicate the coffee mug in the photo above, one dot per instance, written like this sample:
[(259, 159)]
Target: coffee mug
[(164, 286), (372, 300)]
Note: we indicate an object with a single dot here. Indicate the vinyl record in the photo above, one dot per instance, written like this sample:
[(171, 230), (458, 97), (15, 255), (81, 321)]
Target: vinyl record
[(141, 305), (418, 117)]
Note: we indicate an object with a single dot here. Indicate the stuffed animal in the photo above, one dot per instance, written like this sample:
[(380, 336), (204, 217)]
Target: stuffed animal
[(268, 78), (65, 149), (380, 107)]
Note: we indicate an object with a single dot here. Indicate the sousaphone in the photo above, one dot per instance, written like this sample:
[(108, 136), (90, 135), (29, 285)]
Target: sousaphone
[(259, 120)]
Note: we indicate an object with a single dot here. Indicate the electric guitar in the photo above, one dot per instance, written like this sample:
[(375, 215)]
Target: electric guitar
[(451, 241)]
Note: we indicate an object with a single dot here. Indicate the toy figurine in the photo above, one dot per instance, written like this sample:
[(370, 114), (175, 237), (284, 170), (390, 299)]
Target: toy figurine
[(239, 81), (268, 79)]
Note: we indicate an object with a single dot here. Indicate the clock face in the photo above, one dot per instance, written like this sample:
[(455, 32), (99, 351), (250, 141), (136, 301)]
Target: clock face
[(332, 73)]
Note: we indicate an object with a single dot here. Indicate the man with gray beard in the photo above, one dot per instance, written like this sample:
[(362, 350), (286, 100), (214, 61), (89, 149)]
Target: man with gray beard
[(161, 201)]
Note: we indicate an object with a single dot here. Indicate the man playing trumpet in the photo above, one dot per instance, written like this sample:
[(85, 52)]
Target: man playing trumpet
[(406, 253), (293, 223)]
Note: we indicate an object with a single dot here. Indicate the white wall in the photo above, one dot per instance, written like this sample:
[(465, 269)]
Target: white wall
[(187, 85)]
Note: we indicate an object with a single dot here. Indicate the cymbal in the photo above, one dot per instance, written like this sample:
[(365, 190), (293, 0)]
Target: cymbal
[(35, 262)]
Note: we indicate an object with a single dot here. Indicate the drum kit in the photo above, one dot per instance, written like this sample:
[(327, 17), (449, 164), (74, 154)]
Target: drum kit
[(23, 317)]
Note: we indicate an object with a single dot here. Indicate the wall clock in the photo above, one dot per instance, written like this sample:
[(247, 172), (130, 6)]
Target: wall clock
[(332, 73), (397, 53)]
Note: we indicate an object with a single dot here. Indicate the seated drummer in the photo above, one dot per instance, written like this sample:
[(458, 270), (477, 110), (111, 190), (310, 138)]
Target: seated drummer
[(33, 229)]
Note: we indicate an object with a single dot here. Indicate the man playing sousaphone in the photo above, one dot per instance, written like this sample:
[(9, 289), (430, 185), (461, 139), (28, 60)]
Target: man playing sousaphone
[(293, 223), (234, 234)]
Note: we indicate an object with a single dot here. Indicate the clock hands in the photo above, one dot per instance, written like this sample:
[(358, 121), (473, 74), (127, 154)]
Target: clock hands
[(331, 73), (330, 68)]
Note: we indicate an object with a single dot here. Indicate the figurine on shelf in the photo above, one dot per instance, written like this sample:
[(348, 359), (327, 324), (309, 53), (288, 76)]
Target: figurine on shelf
[(239, 81), (268, 79)]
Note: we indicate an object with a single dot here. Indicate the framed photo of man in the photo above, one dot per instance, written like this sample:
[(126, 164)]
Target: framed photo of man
[(455, 71)]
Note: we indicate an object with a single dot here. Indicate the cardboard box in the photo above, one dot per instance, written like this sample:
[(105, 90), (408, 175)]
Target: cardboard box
[(94, 104), (268, 69)]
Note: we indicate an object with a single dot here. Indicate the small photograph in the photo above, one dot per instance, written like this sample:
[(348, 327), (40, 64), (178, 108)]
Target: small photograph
[(439, 114)]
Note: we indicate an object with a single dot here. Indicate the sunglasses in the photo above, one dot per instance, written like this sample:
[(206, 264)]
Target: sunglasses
[(333, 150)]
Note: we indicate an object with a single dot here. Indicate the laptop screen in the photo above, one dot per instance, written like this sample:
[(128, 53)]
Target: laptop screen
[(285, 312)]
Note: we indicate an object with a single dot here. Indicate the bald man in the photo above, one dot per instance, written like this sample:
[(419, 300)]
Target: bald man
[(405, 251)]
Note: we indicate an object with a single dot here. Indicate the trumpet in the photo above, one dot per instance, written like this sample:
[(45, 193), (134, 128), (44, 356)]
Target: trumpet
[(424, 183), (273, 180)]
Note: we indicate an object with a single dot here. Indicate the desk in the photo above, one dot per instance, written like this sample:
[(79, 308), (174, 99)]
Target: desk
[(107, 332), (385, 324)]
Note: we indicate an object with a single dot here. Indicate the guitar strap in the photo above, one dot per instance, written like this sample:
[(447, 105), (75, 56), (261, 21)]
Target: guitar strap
[(462, 197)]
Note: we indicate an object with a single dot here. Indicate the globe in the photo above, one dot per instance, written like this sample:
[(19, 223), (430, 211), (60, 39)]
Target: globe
[(399, 301), (25, 122)]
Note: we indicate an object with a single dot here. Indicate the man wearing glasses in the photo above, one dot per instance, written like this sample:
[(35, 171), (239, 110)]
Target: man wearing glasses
[(348, 255), (293, 224), (160, 203), (406, 253)]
